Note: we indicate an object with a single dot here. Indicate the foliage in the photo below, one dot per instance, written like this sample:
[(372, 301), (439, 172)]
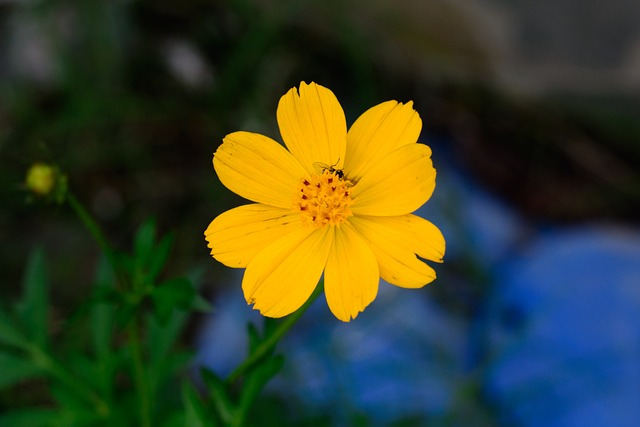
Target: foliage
[(117, 361)]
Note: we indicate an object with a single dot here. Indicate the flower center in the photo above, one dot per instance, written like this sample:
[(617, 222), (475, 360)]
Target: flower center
[(324, 199)]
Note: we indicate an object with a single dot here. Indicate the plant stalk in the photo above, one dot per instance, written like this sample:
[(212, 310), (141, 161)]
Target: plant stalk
[(270, 342), (139, 374), (95, 231)]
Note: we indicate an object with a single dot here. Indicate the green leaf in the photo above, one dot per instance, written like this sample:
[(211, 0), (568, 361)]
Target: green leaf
[(256, 381), (102, 313), (158, 258), (14, 369), (163, 370), (175, 293), (201, 304), (125, 314), (163, 361), (33, 309), (31, 417), (174, 419), (124, 263), (72, 405), (219, 396), (270, 326), (102, 327), (9, 335), (195, 413), (256, 340), (254, 337), (161, 337), (86, 370), (144, 243)]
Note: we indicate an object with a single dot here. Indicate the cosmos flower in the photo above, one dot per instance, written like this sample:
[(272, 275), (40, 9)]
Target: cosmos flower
[(332, 202)]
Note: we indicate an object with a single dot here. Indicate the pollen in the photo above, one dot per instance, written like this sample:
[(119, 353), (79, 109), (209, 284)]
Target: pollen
[(324, 200)]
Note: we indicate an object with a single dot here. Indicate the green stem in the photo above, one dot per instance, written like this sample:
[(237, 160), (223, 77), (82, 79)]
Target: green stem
[(270, 342), (93, 228), (135, 346), (139, 375)]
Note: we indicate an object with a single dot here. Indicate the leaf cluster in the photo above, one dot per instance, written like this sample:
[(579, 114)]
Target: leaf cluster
[(118, 345), (224, 403)]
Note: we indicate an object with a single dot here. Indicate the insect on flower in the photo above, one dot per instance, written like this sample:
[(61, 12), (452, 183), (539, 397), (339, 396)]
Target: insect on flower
[(321, 167)]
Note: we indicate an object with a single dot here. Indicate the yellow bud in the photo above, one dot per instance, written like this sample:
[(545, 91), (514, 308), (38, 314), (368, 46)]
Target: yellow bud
[(41, 179)]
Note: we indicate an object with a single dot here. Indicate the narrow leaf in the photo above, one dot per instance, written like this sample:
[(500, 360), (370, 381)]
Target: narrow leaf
[(195, 413), (9, 335), (101, 312), (254, 337), (219, 396), (161, 337), (257, 379), (144, 243), (102, 327), (33, 308), (158, 258), (14, 369), (201, 304), (163, 361), (175, 293)]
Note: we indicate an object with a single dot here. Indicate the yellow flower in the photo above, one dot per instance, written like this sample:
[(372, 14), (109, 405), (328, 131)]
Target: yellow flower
[(332, 202)]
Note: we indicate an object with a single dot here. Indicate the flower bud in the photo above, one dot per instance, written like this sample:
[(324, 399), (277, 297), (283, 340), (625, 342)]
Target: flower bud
[(41, 179)]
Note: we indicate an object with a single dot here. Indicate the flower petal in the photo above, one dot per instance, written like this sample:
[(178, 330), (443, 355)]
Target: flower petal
[(258, 168), (377, 132), (313, 126), (398, 184), (351, 276), (282, 276), (237, 235), (395, 241)]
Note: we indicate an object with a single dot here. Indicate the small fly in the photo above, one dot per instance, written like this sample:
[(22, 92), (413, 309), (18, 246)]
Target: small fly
[(331, 168)]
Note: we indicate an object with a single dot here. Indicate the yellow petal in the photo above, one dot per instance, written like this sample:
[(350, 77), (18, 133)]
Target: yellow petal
[(282, 276), (237, 235), (351, 276), (395, 241), (397, 185), (258, 168), (313, 126), (379, 131)]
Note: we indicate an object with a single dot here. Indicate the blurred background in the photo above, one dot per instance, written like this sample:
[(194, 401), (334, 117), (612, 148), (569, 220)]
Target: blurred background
[(532, 109)]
